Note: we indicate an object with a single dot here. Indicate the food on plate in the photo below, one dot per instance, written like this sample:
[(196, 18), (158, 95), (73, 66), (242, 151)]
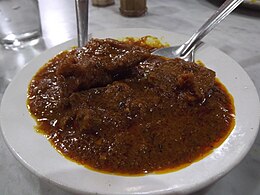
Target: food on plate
[(114, 107)]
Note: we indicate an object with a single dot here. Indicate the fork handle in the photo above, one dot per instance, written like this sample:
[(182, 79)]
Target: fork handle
[(223, 11), (82, 21)]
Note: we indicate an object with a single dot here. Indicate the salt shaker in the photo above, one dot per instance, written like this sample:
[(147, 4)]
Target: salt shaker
[(133, 8), (102, 3)]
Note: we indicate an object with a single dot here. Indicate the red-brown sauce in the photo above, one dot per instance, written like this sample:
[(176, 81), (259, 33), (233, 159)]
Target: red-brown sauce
[(114, 107)]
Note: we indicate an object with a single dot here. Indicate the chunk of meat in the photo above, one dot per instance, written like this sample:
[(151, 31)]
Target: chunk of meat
[(192, 81), (100, 62)]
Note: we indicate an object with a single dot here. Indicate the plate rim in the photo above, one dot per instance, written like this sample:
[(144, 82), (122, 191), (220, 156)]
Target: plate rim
[(69, 43)]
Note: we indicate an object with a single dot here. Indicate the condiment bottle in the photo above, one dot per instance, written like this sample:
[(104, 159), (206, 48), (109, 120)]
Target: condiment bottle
[(133, 8), (102, 3)]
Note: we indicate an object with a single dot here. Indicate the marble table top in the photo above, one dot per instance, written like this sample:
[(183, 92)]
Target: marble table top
[(238, 36)]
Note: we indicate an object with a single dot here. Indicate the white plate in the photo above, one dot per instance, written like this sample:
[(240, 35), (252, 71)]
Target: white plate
[(35, 152)]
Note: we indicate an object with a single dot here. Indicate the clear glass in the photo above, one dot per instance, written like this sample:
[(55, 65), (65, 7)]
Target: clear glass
[(20, 23)]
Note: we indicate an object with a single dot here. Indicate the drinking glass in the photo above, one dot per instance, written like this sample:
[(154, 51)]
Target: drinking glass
[(20, 23)]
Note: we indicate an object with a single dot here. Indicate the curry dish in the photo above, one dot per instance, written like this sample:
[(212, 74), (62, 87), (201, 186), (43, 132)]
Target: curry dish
[(114, 107)]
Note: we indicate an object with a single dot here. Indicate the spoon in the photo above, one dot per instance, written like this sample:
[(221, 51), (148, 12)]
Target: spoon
[(186, 50), (82, 21)]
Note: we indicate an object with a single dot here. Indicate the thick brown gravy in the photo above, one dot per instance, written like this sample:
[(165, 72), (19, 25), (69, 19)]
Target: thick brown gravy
[(114, 107)]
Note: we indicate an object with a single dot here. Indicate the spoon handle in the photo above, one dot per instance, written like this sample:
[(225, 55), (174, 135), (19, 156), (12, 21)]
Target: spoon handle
[(82, 21), (224, 10)]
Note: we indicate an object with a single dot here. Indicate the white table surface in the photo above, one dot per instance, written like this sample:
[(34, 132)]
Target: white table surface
[(238, 36)]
